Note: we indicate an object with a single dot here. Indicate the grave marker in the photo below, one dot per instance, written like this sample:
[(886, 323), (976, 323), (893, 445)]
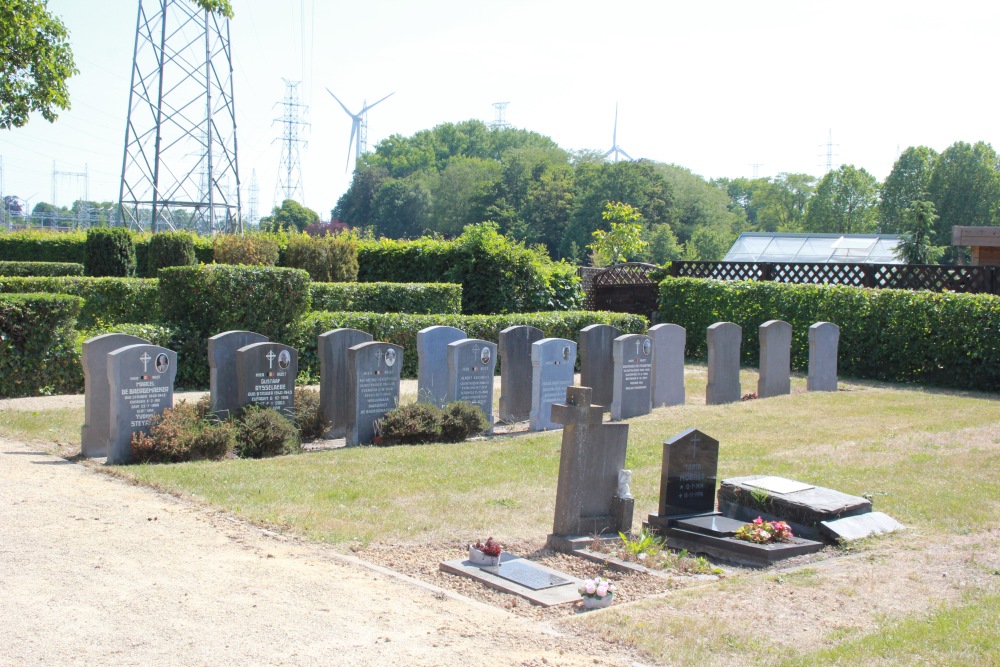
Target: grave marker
[(552, 362), (632, 393), (824, 338), (265, 375), (471, 365), (668, 364), (222, 368), (723, 363), (514, 347), (597, 362), (335, 387), (432, 362), (141, 379), (372, 387), (775, 359), (688, 476), (96, 430)]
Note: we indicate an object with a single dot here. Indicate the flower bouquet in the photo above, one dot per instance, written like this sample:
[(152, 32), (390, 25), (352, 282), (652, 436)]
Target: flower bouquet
[(597, 593), (764, 532), (485, 554)]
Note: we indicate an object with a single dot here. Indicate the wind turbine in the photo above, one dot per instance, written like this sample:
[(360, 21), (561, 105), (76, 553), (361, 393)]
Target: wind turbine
[(615, 148), (359, 127)]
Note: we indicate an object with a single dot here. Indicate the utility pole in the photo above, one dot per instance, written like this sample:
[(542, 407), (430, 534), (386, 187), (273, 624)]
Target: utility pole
[(289, 183)]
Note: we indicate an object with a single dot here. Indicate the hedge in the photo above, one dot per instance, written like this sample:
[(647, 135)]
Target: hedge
[(35, 245), (27, 269), (387, 297), (38, 354), (107, 300), (110, 252), (944, 339), (402, 328)]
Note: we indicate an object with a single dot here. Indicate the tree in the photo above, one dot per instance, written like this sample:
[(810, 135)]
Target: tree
[(290, 216), (845, 203), (965, 189), (708, 244), (221, 7), (906, 183), (917, 231), (402, 208), (696, 203), (623, 240)]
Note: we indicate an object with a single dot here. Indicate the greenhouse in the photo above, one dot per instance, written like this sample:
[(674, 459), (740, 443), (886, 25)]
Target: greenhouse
[(825, 248)]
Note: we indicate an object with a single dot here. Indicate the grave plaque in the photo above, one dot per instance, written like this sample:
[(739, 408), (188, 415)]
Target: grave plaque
[(432, 363), (471, 364), (222, 368), (552, 362), (265, 375), (373, 387), (668, 364), (97, 391), (529, 576), (688, 475), (633, 376), (723, 363), (334, 382), (514, 348), (775, 359), (824, 337), (597, 362), (141, 378)]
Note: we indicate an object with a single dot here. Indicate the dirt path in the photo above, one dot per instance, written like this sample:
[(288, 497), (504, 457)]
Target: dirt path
[(97, 571)]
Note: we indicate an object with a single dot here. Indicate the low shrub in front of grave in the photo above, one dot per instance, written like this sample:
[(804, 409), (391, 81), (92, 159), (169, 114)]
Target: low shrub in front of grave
[(943, 339), (424, 298), (169, 249), (184, 432), (38, 351), (461, 420), (107, 300), (420, 423), (263, 432), (249, 249), (309, 417), (328, 259), (110, 252), (30, 269)]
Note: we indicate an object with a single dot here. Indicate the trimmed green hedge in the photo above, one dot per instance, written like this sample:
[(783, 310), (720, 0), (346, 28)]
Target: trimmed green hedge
[(38, 352), (944, 339), (387, 297), (110, 252), (34, 245), (107, 300), (32, 269), (402, 328)]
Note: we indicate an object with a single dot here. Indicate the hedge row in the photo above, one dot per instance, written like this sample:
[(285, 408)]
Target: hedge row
[(944, 339), (107, 300), (29, 269), (402, 328), (38, 352), (387, 297)]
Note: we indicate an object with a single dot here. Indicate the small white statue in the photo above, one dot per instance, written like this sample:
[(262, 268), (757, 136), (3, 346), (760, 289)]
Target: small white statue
[(624, 479)]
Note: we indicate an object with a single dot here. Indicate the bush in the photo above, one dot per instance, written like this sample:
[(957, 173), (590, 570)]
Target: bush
[(249, 249), (183, 433), (387, 297), (460, 420), (264, 432), (169, 249), (309, 417), (38, 245), (107, 300), (411, 424), (38, 353), (40, 269), (110, 252), (331, 258)]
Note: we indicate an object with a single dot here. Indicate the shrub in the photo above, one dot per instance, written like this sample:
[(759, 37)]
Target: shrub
[(264, 432), (169, 249), (309, 417), (183, 433), (40, 269), (387, 297), (110, 252), (39, 245), (38, 353), (107, 300), (411, 424), (331, 258), (460, 420), (249, 249)]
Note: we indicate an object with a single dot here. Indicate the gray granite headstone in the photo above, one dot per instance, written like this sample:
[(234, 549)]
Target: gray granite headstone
[(334, 383), (775, 359), (373, 387), (552, 362), (723, 363), (688, 476), (597, 361), (432, 362), (824, 338), (265, 375), (222, 368), (96, 428), (514, 348), (142, 385), (668, 364), (471, 365), (633, 376)]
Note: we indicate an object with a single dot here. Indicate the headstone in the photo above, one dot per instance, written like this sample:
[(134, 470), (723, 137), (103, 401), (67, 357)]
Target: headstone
[(471, 365), (824, 337), (592, 455), (334, 381), (265, 375), (222, 368), (432, 362), (723, 363), (141, 378), (552, 362), (597, 361), (372, 387), (632, 392), (514, 348), (775, 359), (687, 477), (97, 391), (668, 364)]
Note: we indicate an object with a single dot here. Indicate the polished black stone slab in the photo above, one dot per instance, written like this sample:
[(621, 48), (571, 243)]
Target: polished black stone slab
[(719, 526)]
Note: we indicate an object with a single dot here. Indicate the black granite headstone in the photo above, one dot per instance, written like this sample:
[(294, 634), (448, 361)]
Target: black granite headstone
[(689, 474)]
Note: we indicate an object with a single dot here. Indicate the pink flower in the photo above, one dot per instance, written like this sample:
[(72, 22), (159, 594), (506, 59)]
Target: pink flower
[(590, 586), (602, 590)]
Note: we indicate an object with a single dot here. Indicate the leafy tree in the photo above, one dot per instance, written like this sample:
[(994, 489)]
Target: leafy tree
[(845, 203), (696, 203), (662, 245), (917, 231), (623, 240), (709, 244), (221, 7), (402, 207), (35, 62), (906, 183), (290, 216), (781, 204), (964, 188)]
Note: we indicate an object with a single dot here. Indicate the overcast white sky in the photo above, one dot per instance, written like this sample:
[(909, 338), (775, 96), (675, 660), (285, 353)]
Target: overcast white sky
[(712, 86)]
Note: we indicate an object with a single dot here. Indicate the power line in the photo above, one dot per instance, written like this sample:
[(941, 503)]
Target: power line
[(289, 183)]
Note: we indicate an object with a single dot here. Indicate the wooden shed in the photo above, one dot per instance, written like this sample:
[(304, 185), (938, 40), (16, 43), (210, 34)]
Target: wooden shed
[(984, 242)]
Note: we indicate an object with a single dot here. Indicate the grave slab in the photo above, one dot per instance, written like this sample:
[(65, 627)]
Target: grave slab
[(740, 552), (222, 368), (432, 363), (597, 362), (334, 375), (536, 573), (860, 526), (779, 485), (514, 347), (713, 524), (96, 430)]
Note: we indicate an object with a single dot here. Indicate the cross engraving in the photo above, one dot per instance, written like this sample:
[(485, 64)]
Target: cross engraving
[(145, 360), (694, 445), (378, 355), (637, 344), (270, 358)]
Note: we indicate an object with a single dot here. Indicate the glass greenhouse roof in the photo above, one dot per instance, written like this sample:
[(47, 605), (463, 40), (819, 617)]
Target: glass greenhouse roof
[(825, 248)]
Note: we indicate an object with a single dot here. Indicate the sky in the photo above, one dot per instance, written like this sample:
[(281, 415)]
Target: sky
[(724, 88)]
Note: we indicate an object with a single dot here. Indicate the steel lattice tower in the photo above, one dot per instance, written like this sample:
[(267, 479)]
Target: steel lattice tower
[(289, 184), (179, 169)]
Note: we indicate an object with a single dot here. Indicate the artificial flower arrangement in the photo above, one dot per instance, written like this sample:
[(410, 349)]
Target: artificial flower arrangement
[(764, 532), (597, 592), (491, 548), (485, 554)]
